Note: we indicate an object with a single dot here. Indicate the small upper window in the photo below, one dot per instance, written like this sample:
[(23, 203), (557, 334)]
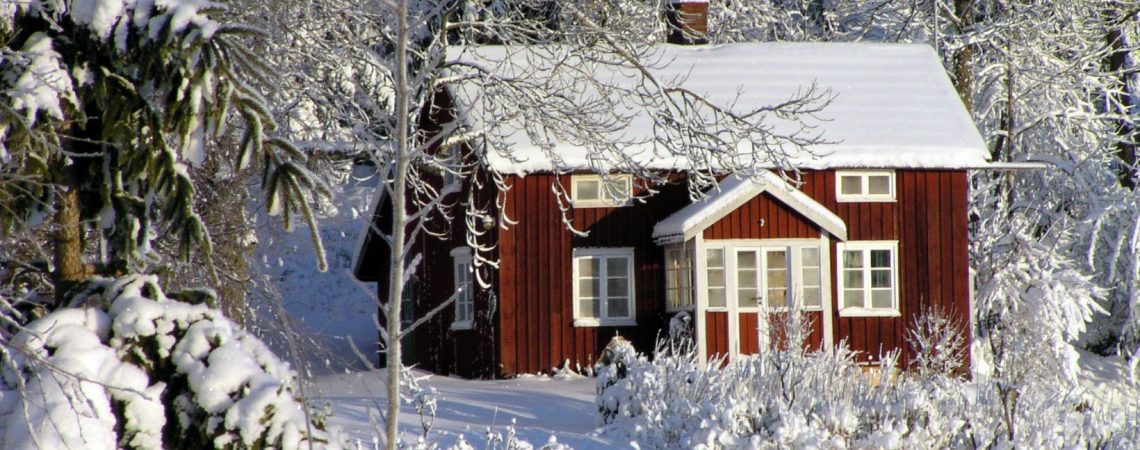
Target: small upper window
[(865, 186), (596, 191)]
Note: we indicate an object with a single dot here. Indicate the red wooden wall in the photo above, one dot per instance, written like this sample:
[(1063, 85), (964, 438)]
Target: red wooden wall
[(535, 305)]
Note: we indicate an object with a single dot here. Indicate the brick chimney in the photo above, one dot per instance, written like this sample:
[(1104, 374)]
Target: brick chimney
[(688, 22)]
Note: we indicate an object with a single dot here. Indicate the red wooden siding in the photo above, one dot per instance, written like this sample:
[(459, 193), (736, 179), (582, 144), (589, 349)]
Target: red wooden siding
[(716, 333), (535, 301), (929, 222), (763, 217)]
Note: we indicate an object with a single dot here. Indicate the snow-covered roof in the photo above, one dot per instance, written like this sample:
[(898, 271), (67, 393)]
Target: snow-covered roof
[(735, 191), (893, 104)]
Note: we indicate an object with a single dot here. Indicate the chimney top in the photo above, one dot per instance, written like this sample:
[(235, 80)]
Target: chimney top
[(687, 21)]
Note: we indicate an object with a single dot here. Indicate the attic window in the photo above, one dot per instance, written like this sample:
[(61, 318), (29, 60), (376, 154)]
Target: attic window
[(596, 191), (865, 186)]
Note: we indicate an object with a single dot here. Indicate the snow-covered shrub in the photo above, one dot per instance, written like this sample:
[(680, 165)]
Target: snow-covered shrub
[(938, 341), (614, 394), (791, 397), (134, 369)]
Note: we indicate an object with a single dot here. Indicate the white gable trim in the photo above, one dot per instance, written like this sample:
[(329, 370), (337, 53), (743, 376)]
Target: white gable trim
[(732, 193)]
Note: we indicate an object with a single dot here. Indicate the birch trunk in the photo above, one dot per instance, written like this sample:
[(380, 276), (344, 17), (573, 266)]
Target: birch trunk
[(399, 218)]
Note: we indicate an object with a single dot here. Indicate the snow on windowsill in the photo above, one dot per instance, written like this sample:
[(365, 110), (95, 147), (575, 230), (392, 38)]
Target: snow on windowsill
[(461, 325), (869, 312), (604, 323)]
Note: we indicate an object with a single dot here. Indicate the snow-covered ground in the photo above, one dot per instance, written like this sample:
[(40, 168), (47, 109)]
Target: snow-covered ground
[(539, 408)]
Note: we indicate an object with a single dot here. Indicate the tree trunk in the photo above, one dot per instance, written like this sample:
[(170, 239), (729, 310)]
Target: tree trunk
[(69, 269), (399, 228), (1120, 64), (963, 76)]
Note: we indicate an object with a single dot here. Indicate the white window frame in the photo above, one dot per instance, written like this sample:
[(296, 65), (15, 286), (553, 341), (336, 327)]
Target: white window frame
[(682, 287), (864, 182), (865, 248), (794, 247), (464, 307), (606, 187), (603, 318)]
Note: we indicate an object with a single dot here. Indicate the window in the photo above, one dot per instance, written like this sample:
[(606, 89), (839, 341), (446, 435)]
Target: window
[(464, 289), (865, 186), (715, 272), (603, 287), (596, 191), (810, 281), (678, 278), (868, 272)]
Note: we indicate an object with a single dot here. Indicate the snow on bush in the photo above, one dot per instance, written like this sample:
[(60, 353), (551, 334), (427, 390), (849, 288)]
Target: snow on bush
[(793, 397), (131, 368)]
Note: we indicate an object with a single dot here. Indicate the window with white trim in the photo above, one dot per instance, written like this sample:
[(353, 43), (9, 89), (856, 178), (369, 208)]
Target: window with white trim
[(865, 186), (678, 278), (868, 274), (464, 289), (603, 286), (714, 271), (811, 283), (596, 191)]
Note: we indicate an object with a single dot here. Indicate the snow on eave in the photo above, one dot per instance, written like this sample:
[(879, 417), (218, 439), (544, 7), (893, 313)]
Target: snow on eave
[(732, 193)]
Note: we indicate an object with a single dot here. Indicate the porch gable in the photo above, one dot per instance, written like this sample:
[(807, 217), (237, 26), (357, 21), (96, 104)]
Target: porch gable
[(733, 192)]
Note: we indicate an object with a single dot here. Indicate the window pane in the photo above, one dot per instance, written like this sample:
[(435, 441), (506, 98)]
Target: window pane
[(588, 287), (777, 279), (881, 298), (810, 256), (879, 185), (852, 279), (617, 267), (880, 258), (716, 278), (811, 297), (852, 259), (618, 191), (777, 260), (746, 297), (617, 287), (852, 298), (715, 257), (880, 278), (587, 267), (777, 298), (716, 297), (746, 278), (588, 308), (586, 189), (811, 277), (617, 307), (850, 185), (746, 260)]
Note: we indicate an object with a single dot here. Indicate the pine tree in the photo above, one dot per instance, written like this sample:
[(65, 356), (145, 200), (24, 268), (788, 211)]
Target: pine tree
[(105, 108)]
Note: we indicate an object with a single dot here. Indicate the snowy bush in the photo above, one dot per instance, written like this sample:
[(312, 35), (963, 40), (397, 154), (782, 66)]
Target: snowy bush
[(130, 368), (793, 397)]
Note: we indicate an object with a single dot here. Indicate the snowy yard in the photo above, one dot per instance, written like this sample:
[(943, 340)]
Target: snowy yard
[(538, 406)]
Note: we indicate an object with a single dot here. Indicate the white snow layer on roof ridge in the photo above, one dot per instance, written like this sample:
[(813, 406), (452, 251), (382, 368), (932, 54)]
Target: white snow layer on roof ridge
[(734, 191), (893, 105)]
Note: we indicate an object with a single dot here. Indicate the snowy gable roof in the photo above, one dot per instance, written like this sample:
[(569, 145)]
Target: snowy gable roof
[(735, 191), (893, 105)]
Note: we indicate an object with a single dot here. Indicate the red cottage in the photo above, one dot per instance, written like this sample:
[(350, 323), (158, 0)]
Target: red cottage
[(874, 233)]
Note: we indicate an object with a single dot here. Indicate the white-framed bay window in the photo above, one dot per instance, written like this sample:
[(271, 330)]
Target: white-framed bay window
[(868, 278), (464, 276), (603, 287), (678, 278), (865, 186)]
